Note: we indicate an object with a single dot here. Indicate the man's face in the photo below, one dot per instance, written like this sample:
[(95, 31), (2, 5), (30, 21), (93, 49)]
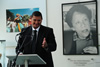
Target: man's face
[(36, 21), (81, 24)]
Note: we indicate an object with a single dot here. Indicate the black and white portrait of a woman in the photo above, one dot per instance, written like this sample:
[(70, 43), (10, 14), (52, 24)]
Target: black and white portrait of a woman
[(80, 28)]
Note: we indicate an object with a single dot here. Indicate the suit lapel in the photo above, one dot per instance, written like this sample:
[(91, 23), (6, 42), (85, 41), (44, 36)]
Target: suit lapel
[(29, 30)]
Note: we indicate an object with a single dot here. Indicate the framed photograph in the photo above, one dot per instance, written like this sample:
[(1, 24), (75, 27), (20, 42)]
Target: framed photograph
[(19, 17), (16, 19), (80, 28)]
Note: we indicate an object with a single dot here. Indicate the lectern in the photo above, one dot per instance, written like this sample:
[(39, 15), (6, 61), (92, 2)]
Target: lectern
[(27, 59)]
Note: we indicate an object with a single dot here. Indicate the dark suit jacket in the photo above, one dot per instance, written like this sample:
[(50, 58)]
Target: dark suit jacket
[(43, 53), (70, 45)]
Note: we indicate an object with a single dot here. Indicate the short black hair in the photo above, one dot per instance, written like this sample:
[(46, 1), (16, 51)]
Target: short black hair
[(37, 13), (77, 8)]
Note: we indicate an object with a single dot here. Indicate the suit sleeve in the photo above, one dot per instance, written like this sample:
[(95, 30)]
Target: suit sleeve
[(51, 42)]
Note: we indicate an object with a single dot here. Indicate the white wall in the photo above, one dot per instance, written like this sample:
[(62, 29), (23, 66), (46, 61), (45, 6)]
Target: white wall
[(54, 20)]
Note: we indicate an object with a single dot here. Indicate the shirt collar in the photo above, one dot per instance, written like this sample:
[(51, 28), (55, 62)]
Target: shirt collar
[(36, 29), (75, 37)]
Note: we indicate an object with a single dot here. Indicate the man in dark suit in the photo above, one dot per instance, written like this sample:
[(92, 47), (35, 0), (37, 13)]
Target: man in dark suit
[(45, 40)]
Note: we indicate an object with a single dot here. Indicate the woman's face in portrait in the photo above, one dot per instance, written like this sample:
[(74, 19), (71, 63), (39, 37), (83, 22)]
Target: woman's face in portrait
[(81, 24)]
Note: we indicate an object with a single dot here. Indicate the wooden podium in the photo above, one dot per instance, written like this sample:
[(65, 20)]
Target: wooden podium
[(27, 59)]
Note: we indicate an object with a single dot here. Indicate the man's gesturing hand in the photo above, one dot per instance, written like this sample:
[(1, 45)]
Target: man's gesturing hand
[(44, 43)]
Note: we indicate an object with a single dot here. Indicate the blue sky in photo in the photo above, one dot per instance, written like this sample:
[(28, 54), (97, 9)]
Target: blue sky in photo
[(22, 12)]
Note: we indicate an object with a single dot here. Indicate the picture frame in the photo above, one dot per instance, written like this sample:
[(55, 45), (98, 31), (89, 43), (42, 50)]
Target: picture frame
[(23, 19), (80, 28)]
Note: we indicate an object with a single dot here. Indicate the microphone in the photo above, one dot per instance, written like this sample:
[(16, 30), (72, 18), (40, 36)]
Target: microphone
[(32, 36)]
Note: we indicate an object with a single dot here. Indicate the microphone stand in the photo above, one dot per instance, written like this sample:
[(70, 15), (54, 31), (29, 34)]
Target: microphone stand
[(14, 60)]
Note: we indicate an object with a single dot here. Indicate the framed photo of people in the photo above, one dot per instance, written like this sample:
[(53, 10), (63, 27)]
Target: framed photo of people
[(20, 17), (80, 30)]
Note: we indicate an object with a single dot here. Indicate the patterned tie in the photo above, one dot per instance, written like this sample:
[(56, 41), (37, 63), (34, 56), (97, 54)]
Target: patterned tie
[(34, 41)]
